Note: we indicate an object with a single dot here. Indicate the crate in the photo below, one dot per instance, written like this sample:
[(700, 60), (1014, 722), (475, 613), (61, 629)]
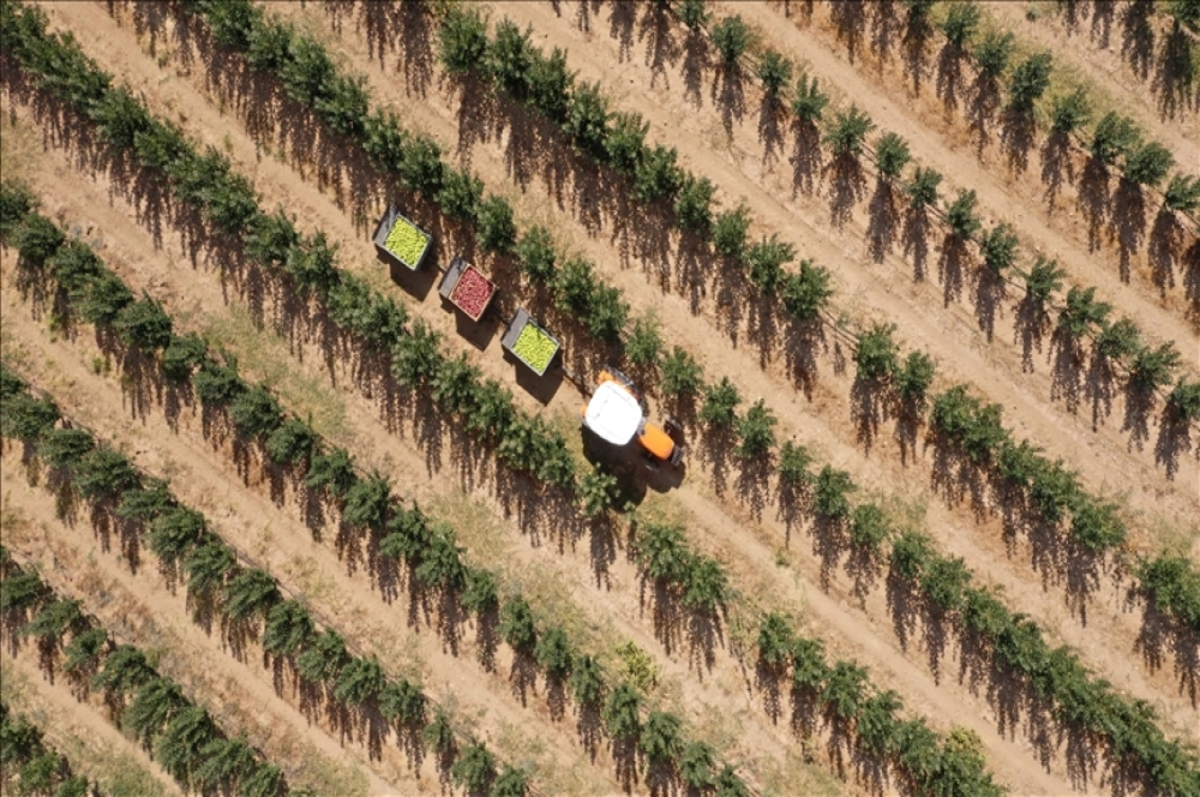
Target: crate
[(390, 219), (521, 321), (453, 279)]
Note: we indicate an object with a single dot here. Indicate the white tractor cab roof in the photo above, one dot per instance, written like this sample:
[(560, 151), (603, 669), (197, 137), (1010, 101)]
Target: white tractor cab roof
[(614, 413)]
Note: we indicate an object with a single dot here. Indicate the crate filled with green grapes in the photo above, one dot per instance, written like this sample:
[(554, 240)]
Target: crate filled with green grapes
[(397, 239), (529, 343)]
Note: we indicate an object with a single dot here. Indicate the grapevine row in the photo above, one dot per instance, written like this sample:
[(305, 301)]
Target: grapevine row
[(30, 766), (73, 280), (185, 738)]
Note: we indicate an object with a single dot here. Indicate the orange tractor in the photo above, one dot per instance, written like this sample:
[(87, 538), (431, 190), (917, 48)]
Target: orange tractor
[(616, 415)]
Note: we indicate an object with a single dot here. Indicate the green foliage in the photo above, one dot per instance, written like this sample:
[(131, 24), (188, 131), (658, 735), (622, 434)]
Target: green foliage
[(438, 736), (705, 586), (1182, 193), (1148, 164), (293, 443), (402, 702), (360, 681), (1114, 136), (868, 527), (517, 627), (912, 382), (25, 418), (474, 769), (662, 553), (766, 260), (587, 119), (1096, 524), (923, 190), (83, 653), (793, 465), (586, 682), (891, 155), (621, 713), (512, 782), (944, 581), (417, 356), (226, 763), (479, 595), (16, 202), (462, 40), (598, 492), (179, 748), (844, 688), (830, 491), (332, 471), (960, 24), (1119, 340), (206, 568), (757, 430), (175, 532), (999, 247), (144, 504), (323, 660), (961, 216), (729, 232), (1029, 82), (661, 741), (460, 195), (720, 404), (535, 254), (657, 176), (1153, 368), (680, 374), (183, 355), (809, 102), (875, 357), (104, 475), (54, 619), (550, 84), (255, 413), (1070, 112), (992, 54), (250, 593), (216, 384), (694, 14), (152, 708), (730, 784), (1082, 312), (693, 204), (1184, 400), (974, 426), (509, 58), (441, 563), (806, 292), (731, 36), (37, 241), (644, 345), (774, 70), (849, 132), (125, 670), (289, 629), (553, 653), (368, 502), (454, 385), (63, 449), (497, 231), (696, 767), (878, 726), (1043, 281), (1173, 583), (144, 324), (775, 640), (422, 169)]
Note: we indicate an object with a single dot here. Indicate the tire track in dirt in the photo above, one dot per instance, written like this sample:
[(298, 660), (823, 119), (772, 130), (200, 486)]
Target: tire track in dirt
[(962, 352), (133, 611), (61, 717)]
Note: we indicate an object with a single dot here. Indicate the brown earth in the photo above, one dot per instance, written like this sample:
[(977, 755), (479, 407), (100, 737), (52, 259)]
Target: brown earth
[(690, 497)]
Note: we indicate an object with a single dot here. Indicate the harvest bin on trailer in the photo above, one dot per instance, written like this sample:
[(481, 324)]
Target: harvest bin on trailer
[(465, 287), (398, 239), (529, 343)]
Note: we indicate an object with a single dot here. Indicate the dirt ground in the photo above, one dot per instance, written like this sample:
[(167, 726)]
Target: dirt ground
[(765, 555)]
